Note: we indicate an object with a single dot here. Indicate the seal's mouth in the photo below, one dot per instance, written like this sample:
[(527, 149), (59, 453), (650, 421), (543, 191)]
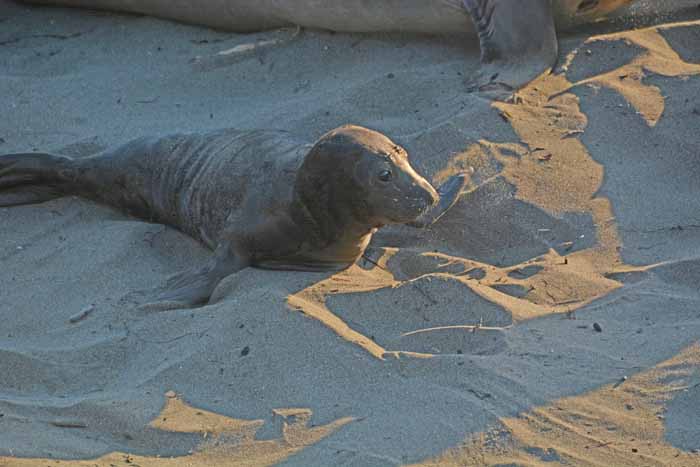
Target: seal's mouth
[(424, 204), (418, 204)]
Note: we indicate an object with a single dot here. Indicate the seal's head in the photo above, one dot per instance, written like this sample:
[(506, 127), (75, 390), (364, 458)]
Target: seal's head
[(354, 175)]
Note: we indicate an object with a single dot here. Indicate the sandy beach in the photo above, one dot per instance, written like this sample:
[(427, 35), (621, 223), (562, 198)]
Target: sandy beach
[(551, 317)]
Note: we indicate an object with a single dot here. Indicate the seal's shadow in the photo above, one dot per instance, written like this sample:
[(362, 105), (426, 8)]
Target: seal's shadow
[(429, 297)]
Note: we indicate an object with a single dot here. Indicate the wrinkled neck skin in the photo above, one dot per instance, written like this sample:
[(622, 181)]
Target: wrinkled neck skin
[(335, 234)]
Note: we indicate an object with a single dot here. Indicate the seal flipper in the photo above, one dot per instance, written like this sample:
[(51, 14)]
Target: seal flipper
[(32, 178), (193, 288), (449, 193), (518, 43)]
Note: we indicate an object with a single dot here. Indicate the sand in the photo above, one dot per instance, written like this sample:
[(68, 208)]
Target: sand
[(552, 317)]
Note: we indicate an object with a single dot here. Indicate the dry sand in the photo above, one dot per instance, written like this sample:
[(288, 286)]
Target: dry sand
[(471, 343)]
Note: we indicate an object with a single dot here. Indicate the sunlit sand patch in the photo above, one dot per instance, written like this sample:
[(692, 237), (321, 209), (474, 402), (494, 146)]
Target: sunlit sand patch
[(560, 285), (620, 424), (225, 441), (557, 287), (659, 58), (557, 174), (548, 284), (312, 300), (432, 314)]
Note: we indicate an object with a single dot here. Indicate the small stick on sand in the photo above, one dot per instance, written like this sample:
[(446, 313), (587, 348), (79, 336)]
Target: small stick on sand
[(82, 314), (67, 424), (230, 56), (465, 327), (619, 383)]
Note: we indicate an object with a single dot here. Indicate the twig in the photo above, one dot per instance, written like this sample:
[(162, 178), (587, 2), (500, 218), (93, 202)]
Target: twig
[(472, 328), (230, 56), (82, 314), (67, 424), (40, 36)]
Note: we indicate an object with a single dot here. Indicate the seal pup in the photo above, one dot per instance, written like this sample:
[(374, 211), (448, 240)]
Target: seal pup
[(517, 37), (257, 198)]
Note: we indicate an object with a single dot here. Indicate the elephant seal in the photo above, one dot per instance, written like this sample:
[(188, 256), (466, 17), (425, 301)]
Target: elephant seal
[(517, 37), (257, 198)]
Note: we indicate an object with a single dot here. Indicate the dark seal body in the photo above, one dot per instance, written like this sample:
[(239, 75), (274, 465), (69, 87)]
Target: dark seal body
[(197, 183), (258, 198)]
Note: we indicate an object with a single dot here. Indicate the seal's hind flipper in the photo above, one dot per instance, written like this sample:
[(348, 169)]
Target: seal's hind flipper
[(28, 195), (518, 43), (31, 178)]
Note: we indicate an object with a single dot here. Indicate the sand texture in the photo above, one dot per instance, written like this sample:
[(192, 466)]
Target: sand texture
[(551, 317)]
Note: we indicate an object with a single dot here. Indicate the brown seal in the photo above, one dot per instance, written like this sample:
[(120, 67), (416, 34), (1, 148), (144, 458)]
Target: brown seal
[(258, 198)]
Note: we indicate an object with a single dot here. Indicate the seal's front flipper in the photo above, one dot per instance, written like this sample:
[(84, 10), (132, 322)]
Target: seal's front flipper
[(518, 43), (193, 288), (449, 193)]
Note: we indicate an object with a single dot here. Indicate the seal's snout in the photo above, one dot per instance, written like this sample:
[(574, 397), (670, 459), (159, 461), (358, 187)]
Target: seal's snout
[(420, 197), (426, 194)]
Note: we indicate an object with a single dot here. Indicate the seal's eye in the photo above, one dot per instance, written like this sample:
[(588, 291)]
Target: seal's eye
[(385, 175)]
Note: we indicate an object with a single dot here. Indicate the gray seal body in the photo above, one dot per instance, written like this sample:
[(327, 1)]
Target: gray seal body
[(257, 198)]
